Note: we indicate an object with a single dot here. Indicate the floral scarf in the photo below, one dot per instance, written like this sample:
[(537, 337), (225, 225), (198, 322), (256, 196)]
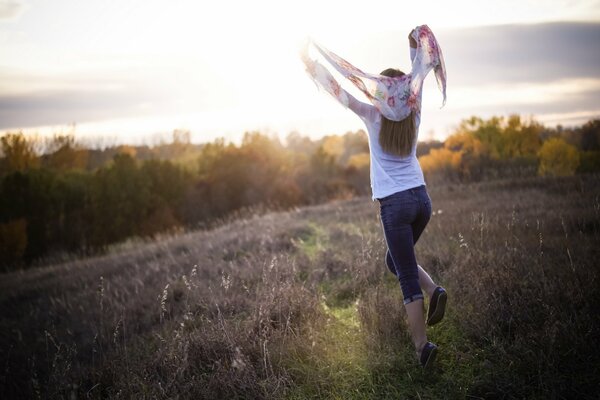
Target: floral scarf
[(395, 98)]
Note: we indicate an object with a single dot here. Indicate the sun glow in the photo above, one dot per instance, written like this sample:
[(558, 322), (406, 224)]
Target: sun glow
[(219, 68)]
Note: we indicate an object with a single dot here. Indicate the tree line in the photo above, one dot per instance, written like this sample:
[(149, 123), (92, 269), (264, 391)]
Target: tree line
[(507, 147), (63, 197)]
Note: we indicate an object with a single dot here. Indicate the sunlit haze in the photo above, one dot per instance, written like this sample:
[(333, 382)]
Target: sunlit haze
[(136, 70)]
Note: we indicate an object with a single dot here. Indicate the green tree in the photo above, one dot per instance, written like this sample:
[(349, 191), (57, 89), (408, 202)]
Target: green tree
[(488, 132), (119, 197), (167, 184), (13, 243), (29, 195), (72, 222), (590, 135)]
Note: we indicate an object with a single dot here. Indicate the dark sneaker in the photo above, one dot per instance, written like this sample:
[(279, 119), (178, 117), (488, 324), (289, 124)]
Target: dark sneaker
[(428, 355), (437, 306)]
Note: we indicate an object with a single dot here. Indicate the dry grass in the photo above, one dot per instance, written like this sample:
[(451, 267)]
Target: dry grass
[(299, 304)]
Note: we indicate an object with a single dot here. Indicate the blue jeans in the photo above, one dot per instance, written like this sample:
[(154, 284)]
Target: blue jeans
[(404, 216)]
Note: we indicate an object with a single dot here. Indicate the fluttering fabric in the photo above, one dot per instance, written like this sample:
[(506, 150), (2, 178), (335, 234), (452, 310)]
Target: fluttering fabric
[(395, 98)]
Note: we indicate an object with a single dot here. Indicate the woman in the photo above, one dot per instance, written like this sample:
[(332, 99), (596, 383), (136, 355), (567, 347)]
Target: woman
[(397, 182)]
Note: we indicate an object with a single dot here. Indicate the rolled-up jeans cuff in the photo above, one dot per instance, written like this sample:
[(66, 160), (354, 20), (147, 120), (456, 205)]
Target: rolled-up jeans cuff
[(414, 297)]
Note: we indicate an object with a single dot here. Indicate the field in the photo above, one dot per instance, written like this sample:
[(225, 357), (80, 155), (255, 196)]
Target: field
[(299, 304)]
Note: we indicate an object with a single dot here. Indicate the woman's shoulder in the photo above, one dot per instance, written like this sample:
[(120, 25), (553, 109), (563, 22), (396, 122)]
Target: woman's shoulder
[(371, 117)]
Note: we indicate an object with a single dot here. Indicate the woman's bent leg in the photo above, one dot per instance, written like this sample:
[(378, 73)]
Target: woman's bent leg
[(389, 262), (425, 281), (401, 249), (418, 226), (400, 245)]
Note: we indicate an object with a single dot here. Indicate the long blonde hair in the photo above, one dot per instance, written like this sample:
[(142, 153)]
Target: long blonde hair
[(397, 137)]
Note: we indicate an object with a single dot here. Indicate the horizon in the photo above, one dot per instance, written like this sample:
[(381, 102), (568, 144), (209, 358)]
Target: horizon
[(133, 73), (156, 140)]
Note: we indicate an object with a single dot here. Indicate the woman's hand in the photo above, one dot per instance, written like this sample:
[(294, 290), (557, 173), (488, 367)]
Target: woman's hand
[(411, 40)]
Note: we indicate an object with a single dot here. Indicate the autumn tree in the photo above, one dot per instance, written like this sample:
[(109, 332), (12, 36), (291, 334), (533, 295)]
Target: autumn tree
[(63, 153), (444, 163), (520, 138), (481, 149), (558, 158), (18, 153)]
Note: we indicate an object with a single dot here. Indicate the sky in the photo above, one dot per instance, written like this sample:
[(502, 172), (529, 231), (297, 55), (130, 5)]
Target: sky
[(133, 71)]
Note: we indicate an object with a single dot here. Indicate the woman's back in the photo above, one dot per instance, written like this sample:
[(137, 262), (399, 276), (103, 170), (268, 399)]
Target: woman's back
[(389, 173)]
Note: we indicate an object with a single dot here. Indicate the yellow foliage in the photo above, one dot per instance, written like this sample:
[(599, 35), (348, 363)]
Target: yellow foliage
[(466, 143), (68, 158), (126, 149), (440, 160), (504, 138), (18, 152), (334, 146), (558, 158), (359, 161), (520, 138)]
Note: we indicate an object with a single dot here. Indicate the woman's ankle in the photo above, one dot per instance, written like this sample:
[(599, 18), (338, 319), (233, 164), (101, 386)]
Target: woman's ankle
[(429, 290), (419, 345)]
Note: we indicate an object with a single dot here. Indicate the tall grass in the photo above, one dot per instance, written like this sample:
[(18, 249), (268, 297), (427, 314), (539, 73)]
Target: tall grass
[(300, 304)]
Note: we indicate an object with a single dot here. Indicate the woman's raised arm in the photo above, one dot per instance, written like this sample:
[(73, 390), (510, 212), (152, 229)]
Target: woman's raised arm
[(323, 78), (426, 55), (363, 110)]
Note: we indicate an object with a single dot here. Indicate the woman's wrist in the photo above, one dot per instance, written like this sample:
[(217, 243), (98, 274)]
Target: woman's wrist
[(411, 40)]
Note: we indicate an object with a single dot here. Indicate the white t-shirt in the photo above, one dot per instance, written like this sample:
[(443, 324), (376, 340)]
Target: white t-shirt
[(389, 173)]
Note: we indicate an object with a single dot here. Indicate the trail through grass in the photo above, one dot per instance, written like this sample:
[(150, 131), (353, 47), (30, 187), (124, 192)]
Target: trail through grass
[(347, 362), (338, 367)]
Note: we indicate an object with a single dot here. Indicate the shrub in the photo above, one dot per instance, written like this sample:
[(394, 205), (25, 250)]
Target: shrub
[(443, 161), (558, 158)]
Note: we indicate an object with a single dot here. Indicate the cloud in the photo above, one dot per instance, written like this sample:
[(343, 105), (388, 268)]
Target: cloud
[(522, 53), (63, 106), (11, 9), (561, 93), (29, 99)]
